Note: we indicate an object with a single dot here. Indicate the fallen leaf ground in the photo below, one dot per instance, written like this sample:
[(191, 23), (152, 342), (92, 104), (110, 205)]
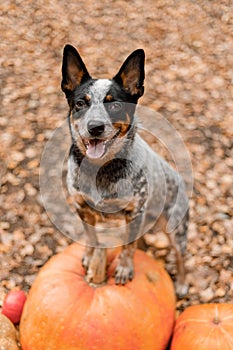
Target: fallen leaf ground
[(189, 75)]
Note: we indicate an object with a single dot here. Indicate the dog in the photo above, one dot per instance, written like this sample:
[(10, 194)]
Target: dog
[(106, 151)]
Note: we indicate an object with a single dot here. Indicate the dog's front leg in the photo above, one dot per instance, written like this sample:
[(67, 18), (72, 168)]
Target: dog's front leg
[(125, 268), (95, 258), (96, 272), (91, 241)]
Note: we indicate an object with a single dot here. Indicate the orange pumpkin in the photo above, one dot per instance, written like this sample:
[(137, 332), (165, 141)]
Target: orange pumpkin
[(204, 327), (64, 312)]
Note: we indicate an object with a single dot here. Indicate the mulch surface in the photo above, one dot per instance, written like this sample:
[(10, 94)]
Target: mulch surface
[(189, 75)]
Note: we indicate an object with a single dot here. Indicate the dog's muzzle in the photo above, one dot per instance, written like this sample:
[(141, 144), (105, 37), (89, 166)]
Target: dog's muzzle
[(95, 145)]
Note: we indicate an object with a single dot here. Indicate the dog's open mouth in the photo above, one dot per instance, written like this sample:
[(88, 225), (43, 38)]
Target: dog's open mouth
[(96, 148)]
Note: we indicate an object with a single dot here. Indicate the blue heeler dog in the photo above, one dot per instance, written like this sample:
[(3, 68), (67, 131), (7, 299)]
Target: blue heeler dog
[(104, 136)]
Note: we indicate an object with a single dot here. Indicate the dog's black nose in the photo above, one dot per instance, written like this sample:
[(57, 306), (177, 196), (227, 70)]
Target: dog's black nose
[(95, 128)]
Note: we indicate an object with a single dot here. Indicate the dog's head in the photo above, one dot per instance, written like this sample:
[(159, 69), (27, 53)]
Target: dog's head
[(101, 110)]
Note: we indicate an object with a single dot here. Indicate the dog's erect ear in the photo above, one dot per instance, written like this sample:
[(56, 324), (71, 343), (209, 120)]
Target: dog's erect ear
[(74, 71), (131, 74)]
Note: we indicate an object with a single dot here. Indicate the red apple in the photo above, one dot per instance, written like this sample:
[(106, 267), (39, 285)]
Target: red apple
[(13, 305)]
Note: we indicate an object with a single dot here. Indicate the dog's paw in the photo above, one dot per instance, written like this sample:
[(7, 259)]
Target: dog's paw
[(181, 290), (123, 274)]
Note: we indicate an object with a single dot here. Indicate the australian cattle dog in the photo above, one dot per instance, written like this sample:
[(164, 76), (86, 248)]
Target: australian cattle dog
[(106, 143)]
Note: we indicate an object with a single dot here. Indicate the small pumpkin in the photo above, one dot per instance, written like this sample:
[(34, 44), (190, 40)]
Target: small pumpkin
[(64, 312), (8, 339), (204, 327)]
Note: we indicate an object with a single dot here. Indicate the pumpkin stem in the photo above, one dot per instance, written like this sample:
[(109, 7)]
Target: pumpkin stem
[(216, 320)]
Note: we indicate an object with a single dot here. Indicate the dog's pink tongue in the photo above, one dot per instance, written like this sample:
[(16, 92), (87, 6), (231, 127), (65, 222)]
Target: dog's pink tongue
[(95, 149)]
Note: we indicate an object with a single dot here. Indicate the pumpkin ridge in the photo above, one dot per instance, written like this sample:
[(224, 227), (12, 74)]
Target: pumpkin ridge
[(228, 337), (194, 320), (208, 336), (228, 318)]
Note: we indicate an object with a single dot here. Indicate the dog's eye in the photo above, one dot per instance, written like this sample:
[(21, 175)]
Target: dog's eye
[(114, 106), (80, 104)]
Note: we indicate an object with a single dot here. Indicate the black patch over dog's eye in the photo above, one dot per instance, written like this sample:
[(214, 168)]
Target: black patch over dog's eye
[(114, 107), (80, 104)]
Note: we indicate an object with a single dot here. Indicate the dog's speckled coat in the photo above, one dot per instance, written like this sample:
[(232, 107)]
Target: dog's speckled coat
[(107, 151)]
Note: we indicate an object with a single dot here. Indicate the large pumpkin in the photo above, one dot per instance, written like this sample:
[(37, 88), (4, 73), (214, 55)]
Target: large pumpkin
[(64, 312), (204, 327)]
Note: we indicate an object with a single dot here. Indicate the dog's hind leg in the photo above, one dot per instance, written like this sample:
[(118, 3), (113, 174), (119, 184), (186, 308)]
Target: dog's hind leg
[(181, 285), (177, 239)]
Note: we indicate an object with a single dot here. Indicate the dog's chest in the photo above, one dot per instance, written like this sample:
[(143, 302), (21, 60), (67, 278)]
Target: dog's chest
[(110, 191)]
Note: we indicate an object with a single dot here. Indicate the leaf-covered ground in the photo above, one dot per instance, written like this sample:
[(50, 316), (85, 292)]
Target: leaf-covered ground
[(189, 75)]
